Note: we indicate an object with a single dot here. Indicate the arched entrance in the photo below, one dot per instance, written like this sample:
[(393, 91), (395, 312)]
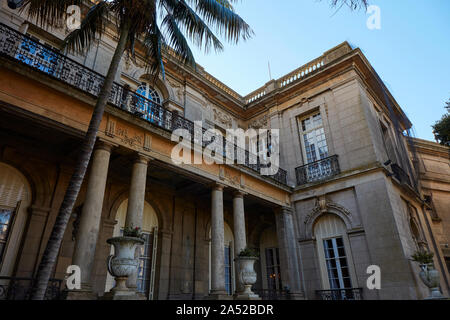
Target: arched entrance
[(15, 198), (147, 255)]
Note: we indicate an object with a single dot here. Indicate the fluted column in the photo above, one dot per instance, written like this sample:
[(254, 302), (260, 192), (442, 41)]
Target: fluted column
[(240, 240), (217, 242), (87, 235), (289, 262), (136, 200)]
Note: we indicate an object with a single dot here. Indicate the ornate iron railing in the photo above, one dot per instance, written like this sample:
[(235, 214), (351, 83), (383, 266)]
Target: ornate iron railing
[(22, 48), (340, 294), (265, 294), (318, 171), (19, 288)]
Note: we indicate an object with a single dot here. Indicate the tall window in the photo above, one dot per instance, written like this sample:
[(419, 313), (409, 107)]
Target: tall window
[(315, 148), (337, 266), (314, 142), (150, 109), (273, 269), (228, 271), (146, 258), (7, 215)]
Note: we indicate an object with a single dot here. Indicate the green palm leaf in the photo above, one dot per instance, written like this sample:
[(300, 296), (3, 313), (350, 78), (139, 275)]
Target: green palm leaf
[(92, 27)]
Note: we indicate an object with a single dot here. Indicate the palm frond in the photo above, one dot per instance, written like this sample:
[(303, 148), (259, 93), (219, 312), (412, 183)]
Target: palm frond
[(153, 42), (92, 27), (227, 23), (52, 12), (193, 26), (176, 40), (352, 4)]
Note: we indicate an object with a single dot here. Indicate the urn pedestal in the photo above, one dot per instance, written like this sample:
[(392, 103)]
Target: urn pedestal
[(430, 277), (247, 278), (121, 265)]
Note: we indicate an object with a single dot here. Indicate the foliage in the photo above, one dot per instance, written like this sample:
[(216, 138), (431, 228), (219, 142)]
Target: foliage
[(155, 24), (248, 252), (423, 257), (441, 128), (134, 232)]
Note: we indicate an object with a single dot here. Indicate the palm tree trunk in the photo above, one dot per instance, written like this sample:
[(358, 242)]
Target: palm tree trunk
[(48, 260)]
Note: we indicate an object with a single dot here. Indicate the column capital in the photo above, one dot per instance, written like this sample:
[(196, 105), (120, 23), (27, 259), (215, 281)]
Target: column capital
[(142, 158), (239, 193), (283, 210), (109, 222), (106, 145), (217, 186), (39, 211)]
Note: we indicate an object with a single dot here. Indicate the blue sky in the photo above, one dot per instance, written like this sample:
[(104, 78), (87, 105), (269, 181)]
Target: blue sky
[(411, 52)]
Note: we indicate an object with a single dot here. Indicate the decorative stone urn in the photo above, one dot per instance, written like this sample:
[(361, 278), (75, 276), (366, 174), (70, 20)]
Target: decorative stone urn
[(430, 277), (123, 264), (247, 277)]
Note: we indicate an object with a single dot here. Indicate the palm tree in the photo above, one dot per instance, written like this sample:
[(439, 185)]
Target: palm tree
[(136, 20)]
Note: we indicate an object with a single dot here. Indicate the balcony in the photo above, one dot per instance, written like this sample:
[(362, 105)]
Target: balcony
[(23, 49), (340, 294), (318, 171), (13, 288)]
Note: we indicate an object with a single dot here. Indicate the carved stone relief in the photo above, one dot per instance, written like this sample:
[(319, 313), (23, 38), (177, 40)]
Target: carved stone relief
[(223, 118)]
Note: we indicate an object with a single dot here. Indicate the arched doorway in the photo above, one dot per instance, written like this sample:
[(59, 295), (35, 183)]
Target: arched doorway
[(147, 255), (230, 284), (15, 198)]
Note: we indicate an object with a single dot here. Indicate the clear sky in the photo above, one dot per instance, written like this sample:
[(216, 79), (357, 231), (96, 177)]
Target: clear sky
[(411, 51)]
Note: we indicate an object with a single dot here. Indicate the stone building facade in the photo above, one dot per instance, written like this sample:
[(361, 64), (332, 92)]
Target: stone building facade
[(353, 190)]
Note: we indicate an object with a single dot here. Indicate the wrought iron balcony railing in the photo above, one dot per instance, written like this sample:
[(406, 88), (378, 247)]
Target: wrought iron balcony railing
[(318, 171), (340, 294), (265, 294), (24, 49), (16, 288)]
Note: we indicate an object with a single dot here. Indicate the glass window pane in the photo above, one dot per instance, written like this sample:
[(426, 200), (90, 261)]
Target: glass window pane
[(338, 273)]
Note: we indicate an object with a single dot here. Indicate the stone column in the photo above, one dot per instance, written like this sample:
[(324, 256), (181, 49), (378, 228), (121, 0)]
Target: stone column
[(240, 240), (217, 244), (290, 274), (87, 235), (136, 200)]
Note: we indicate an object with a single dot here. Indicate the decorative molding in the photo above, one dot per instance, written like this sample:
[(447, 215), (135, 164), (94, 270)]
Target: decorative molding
[(177, 89), (322, 206), (223, 118), (127, 138), (110, 128), (260, 123), (147, 142)]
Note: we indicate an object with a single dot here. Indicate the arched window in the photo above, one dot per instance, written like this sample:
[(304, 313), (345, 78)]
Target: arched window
[(150, 93), (150, 107)]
